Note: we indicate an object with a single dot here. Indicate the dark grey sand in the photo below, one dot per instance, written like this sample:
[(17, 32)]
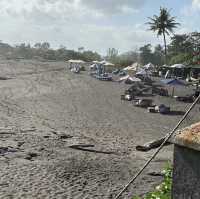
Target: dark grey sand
[(44, 109)]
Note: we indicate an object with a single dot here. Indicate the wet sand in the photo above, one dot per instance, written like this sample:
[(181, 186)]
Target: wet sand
[(44, 109)]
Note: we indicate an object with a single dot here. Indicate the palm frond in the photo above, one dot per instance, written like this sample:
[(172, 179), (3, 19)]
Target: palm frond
[(164, 23)]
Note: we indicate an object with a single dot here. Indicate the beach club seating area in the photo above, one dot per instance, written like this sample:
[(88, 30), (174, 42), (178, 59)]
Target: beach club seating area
[(145, 82)]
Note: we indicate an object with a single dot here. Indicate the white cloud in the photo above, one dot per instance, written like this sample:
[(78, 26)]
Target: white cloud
[(113, 6), (193, 8), (196, 4), (72, 23)]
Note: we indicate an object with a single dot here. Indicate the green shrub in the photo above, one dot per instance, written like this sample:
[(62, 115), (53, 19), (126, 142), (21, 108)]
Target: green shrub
[(162, 191)]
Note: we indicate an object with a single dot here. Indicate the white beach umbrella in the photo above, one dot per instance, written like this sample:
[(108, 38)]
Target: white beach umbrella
[(96, 62), (76, 61), (180, 66), (108, 64), (143, 72), (149, 66)]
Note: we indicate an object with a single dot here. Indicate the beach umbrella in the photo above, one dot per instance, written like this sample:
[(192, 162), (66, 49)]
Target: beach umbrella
[(173, 83), (96, 62), (134, 79), (129, 78), (149, 66), (102, 62), (136, 65), (180, 66), (105, 63), (76, 61), (124, 78), (143, 72), (132, 67)]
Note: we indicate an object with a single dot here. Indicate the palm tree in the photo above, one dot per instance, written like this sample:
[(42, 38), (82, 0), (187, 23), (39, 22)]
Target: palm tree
[(164, 24)]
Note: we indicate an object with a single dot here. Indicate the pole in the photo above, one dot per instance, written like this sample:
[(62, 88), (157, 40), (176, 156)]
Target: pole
[(173, 92)]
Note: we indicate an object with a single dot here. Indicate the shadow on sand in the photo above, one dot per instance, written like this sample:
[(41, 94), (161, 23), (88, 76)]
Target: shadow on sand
[(85, 148), (175, 113)]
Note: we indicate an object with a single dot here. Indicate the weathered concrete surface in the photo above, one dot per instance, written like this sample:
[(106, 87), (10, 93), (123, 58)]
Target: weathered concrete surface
[(186, 174), (188, 137)]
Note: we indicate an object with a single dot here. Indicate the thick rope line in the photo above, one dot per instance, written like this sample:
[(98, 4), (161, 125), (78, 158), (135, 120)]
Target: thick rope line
[(167, 137)]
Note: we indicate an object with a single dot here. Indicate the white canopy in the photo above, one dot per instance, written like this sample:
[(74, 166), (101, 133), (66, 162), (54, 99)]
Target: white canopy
[(178, 66), (108, 64), (124, 78), (76, 61), (149, 66), (96, 62), (143, 72), (105, 63), (133, 67), (128, 77), (130, 68), (134, 79)]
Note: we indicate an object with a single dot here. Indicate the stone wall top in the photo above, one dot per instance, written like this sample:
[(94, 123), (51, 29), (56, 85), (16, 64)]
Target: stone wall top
[(188, 137)]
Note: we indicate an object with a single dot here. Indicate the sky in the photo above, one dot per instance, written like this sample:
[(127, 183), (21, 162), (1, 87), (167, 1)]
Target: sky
[(94, 24)]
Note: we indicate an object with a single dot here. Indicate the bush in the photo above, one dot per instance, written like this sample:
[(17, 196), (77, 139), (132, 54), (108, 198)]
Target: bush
[(162, 191)]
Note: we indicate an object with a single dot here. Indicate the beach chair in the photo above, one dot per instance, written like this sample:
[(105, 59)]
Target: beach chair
[(163, 109), (144, 103)]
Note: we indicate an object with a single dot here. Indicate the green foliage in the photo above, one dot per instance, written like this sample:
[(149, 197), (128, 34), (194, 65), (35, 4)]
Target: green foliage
[(112, 55), (43, 51), (146, 54), (180, 58), (163, 24), (126, 59), (162, 191), (185, 49)]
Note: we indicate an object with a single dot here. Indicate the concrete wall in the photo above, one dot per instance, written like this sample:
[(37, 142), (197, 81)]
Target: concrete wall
[(186, 174)]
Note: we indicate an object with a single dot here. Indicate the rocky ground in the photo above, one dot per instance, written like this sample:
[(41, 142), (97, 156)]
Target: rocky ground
[(44, 109)]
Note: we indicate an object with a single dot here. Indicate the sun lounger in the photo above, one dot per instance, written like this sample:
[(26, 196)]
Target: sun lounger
[(144, 103), (136, 91), (127, 97), (163, 109), (152, 109), (104, 77)]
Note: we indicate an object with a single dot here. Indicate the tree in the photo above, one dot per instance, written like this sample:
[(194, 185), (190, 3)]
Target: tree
[(38, 45), (164, 24), (158, 55), (45, 46), (146, 54), (184, 48), (89, 56), (81, 49), (112, 54), (127, 58)]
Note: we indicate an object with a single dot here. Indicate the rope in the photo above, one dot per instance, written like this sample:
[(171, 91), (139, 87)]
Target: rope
[(167, 137)]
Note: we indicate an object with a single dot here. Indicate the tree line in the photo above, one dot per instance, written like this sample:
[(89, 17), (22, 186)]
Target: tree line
[(45, 52), (183, 48)]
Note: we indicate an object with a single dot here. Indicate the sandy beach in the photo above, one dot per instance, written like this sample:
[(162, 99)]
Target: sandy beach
[(44, 109)]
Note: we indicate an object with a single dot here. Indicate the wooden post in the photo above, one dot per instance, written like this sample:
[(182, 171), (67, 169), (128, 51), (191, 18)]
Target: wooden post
[(173, 91)]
